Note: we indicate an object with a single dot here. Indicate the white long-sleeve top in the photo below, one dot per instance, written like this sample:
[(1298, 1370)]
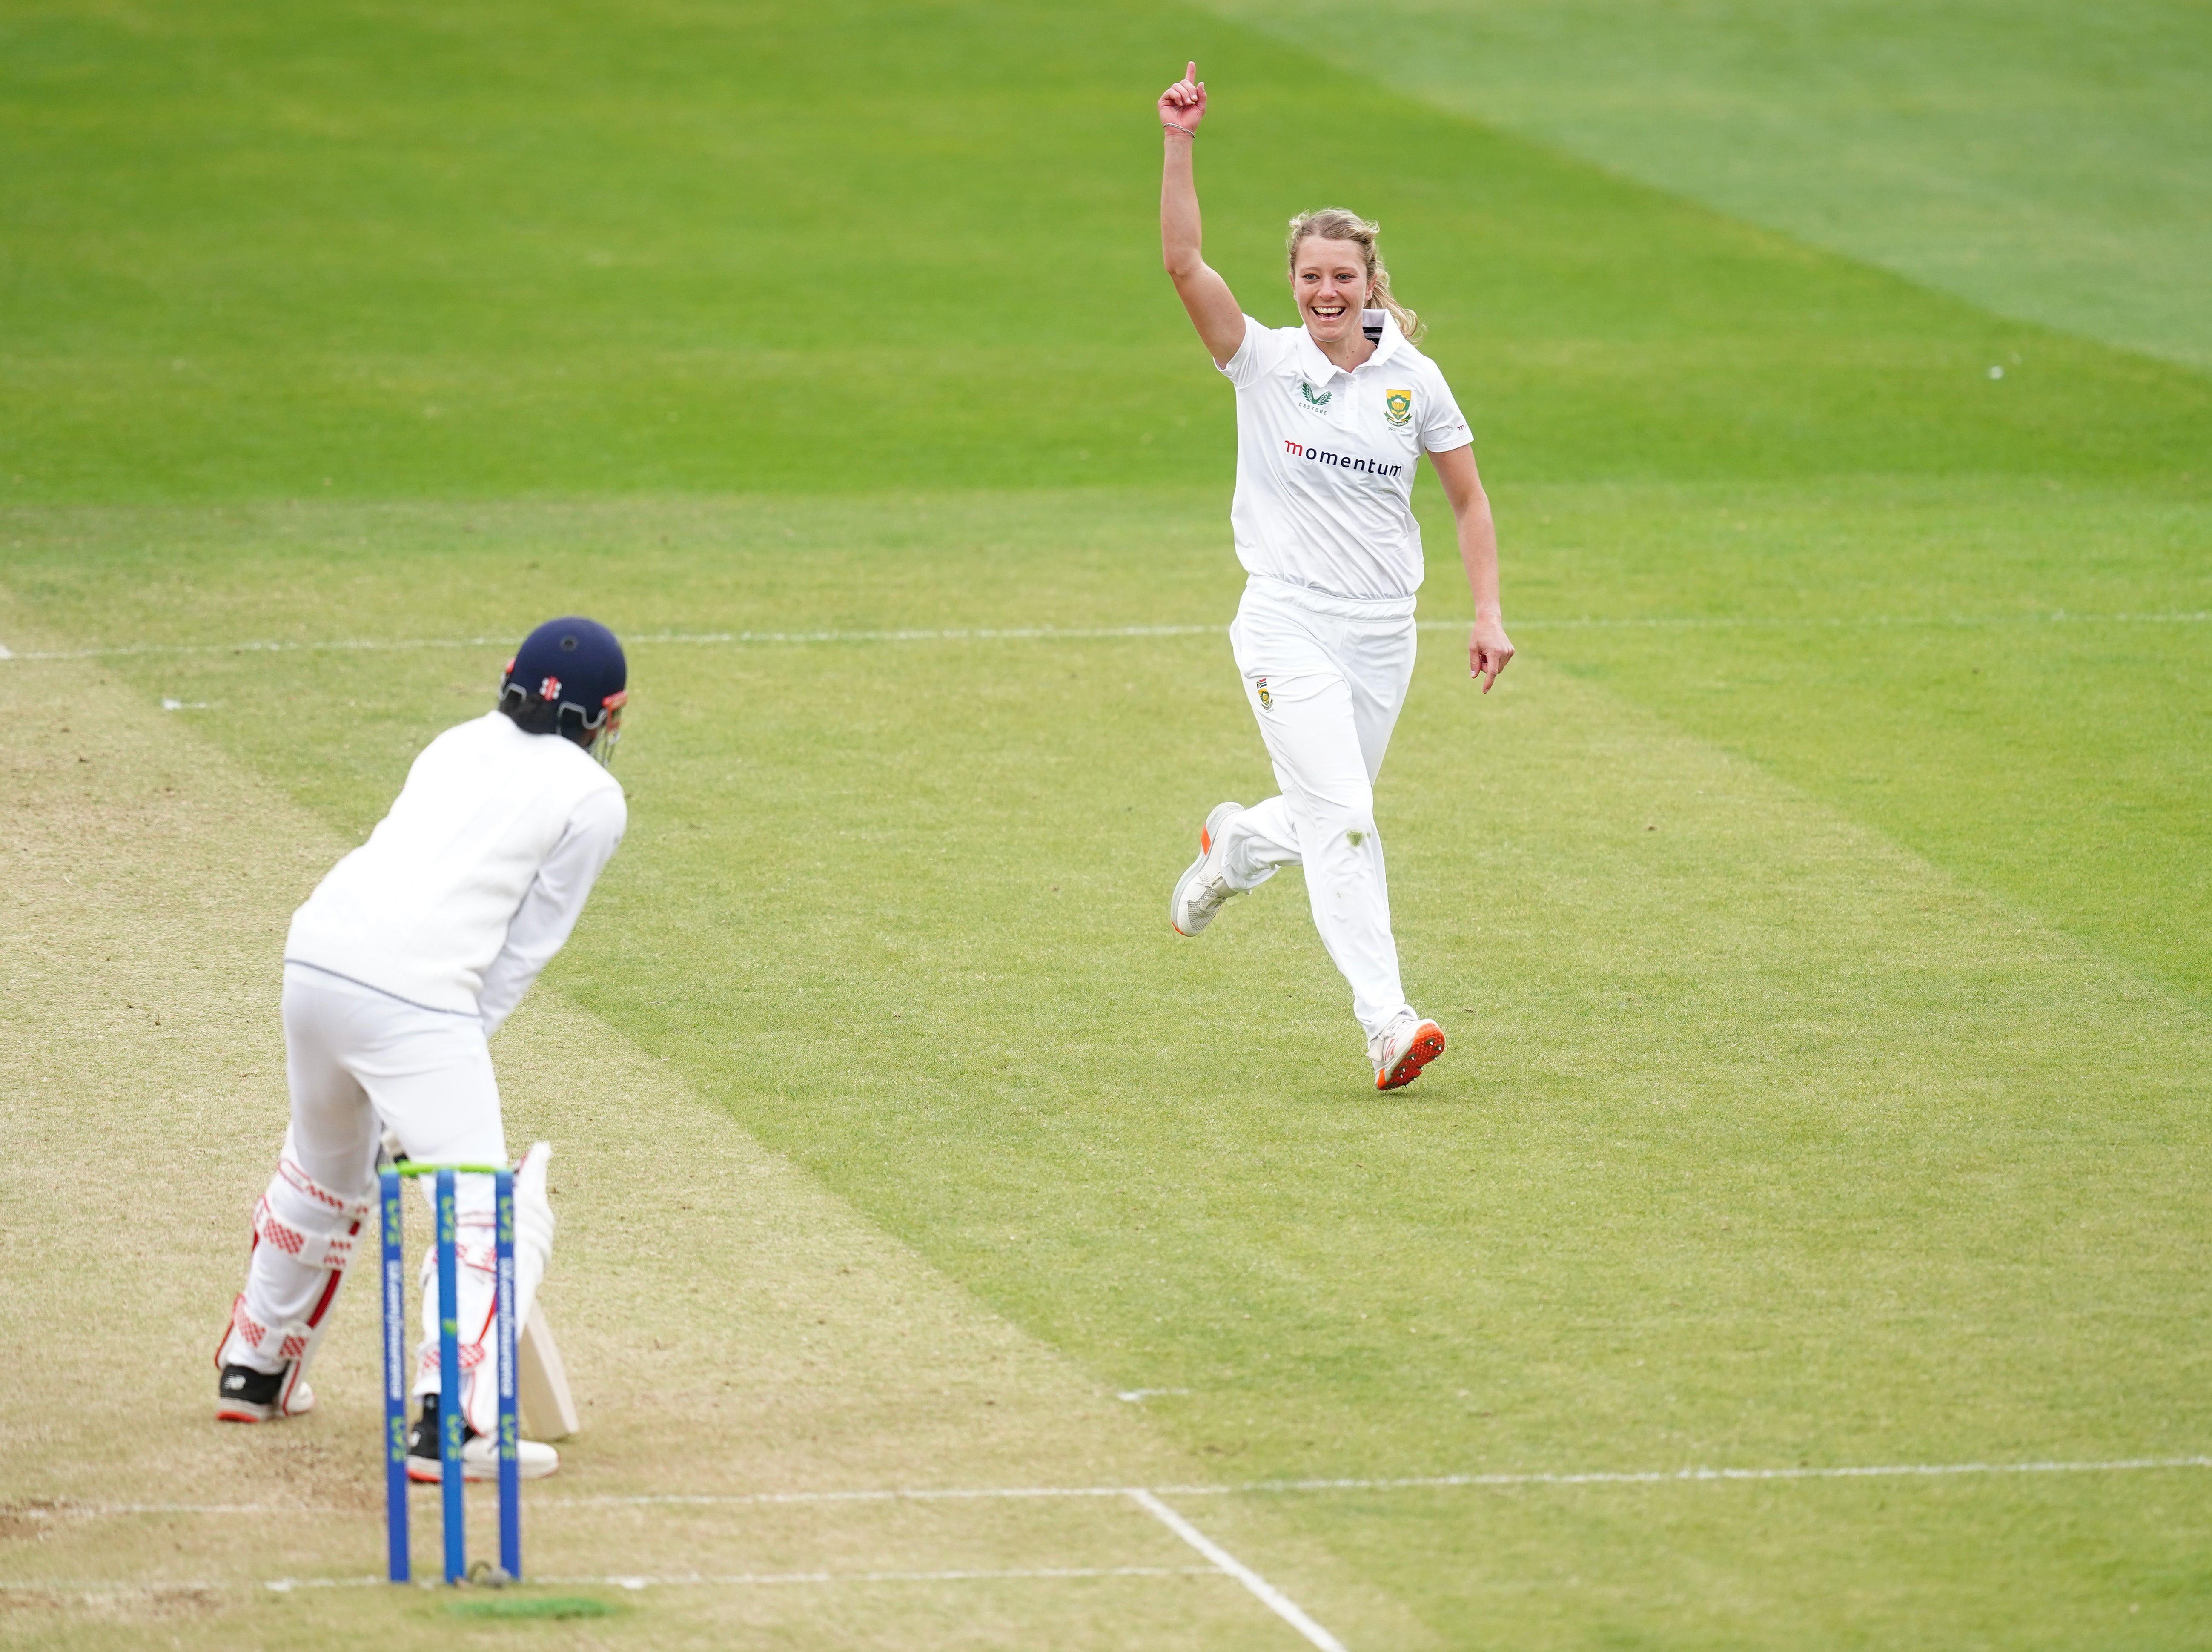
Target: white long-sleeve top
[(467, 889)]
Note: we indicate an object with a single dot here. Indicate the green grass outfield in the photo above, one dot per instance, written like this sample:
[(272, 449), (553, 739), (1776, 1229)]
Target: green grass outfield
[(1818, 908)]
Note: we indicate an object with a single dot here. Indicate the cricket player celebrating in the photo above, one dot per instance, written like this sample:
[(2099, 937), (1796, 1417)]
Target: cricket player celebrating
[(397, 970), (1332, 418)]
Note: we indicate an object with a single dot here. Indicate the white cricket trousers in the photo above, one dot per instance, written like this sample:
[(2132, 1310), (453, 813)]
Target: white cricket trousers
[(1326, 676), (354, 1056)]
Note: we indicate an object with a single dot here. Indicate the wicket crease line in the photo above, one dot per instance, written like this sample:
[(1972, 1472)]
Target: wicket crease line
[(684, 1580), (63, 1508), (90, 1592)]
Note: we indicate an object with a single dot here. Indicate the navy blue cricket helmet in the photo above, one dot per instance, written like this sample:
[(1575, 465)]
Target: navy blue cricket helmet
[(569, 678)]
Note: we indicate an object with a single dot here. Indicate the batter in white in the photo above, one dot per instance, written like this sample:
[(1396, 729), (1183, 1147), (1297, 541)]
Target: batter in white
[(397, 970)]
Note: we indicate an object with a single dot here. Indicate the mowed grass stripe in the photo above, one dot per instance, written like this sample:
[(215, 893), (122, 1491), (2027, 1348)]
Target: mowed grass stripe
[(2046, 159), (725, 1322)]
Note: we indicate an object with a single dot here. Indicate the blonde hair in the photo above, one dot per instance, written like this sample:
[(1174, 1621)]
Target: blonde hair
[(1335, 224)]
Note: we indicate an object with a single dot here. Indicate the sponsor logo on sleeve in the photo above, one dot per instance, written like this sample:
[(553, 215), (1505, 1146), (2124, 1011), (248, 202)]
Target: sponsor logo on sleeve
[(1398, 407)]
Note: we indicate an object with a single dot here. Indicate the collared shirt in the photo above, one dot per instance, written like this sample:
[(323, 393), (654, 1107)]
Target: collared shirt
[(470, 885), (1325, 458)]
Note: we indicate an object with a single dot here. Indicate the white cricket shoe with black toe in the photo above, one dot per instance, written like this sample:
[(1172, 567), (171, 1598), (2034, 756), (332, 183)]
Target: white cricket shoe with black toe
[(533, 1459), (1204, 890)]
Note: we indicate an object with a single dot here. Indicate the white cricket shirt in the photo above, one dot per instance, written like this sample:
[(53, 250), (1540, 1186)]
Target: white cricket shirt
[(1325, 458), (467, 889)]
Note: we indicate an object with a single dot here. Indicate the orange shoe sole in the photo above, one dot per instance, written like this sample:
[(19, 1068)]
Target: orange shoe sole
[(1205, 848), (1428, 1044)]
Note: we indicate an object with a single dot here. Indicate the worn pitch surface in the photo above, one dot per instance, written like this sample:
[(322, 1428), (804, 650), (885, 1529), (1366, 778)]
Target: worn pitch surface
[(734, 1331)]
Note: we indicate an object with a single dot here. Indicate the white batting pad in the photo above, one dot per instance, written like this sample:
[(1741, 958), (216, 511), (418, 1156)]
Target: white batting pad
[(534, 1228)]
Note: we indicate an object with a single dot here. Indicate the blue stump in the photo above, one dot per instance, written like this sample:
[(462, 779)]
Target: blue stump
[(449, 1380), (395, 1376), (510, 1426)]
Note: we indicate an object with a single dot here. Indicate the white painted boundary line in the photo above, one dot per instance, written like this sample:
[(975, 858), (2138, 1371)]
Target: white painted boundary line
[(62, 1510), (1268, 1594), (1094, 634)]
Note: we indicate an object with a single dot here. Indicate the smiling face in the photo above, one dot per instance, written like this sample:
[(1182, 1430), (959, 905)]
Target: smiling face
[(1329, 281)]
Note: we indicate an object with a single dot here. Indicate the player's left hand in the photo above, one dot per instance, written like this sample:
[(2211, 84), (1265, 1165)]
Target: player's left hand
[(1489, 651)]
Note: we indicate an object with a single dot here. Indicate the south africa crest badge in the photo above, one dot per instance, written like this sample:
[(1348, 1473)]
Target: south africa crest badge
[(1398, 407)]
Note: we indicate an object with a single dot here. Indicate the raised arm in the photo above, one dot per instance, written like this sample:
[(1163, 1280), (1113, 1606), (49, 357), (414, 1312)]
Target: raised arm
[(1212, 306)]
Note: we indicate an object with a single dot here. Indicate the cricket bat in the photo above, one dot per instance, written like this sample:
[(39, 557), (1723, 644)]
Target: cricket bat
[(541, 1383)]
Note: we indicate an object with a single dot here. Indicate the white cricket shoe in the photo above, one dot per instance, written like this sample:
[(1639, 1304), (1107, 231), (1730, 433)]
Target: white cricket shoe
[(1204, 890), (1400, 1050), (533, 1459)]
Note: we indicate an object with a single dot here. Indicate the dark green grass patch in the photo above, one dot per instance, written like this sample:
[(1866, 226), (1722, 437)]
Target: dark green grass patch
[(520, 1607)]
